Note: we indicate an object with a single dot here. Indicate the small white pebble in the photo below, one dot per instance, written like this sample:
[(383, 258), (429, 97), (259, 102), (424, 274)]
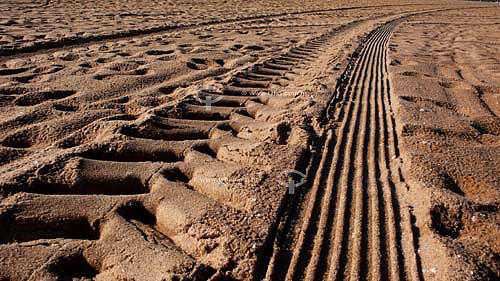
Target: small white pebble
[(433, 270)]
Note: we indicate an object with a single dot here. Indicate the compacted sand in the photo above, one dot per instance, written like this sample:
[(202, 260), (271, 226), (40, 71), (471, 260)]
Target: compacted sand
[(154, 140)]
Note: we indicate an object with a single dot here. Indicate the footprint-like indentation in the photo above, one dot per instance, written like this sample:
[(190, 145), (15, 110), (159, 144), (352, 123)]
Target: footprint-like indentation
[(73, 267), (19, 139), (132, 151), (220, 62), (123, 99), (137, 71), (24, 79), (104, 60), (12, 91), (166, 58), (27, 230), (121, 117), (395, 62), (197, 63), (174, 174), (8, 154), (66, 56), (205, 147), (409, 73), (65, 107), (147, 101), (426, 100), (48, 69), (236, 47), (102, 76), (446, 222), (85, 65), (199, 60), (167, 90), (198, 111), (135, 210), (173, 134), (12, 71), (159, 52), (6, 100), (487, 125), (205, 36), (411, 130), (39, 97), (125, 66), (254, 48)]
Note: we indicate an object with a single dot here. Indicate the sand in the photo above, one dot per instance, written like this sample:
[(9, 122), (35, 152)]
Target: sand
[(148, 140), (446, 76)]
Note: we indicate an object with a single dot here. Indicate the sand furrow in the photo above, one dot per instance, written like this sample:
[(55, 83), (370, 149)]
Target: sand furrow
[(351, 228)]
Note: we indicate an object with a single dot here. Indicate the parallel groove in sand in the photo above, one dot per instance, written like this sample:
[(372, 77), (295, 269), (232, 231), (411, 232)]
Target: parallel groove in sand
[(351, 226)]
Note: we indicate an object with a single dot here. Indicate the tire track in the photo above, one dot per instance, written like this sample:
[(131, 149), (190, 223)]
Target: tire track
[(139, 172), (352, 224)]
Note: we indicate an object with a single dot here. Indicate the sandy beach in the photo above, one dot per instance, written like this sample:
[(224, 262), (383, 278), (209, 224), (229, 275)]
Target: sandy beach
[(249, 140)]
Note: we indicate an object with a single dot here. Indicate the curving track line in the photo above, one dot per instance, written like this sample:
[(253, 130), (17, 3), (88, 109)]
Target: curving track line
[(351, 226), (63, 43)]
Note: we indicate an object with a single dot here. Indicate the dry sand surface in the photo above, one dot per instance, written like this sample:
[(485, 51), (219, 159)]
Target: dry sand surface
[(154, 140)]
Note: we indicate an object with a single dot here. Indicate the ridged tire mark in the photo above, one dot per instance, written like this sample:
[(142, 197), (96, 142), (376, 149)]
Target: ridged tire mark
[(351, 224)]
